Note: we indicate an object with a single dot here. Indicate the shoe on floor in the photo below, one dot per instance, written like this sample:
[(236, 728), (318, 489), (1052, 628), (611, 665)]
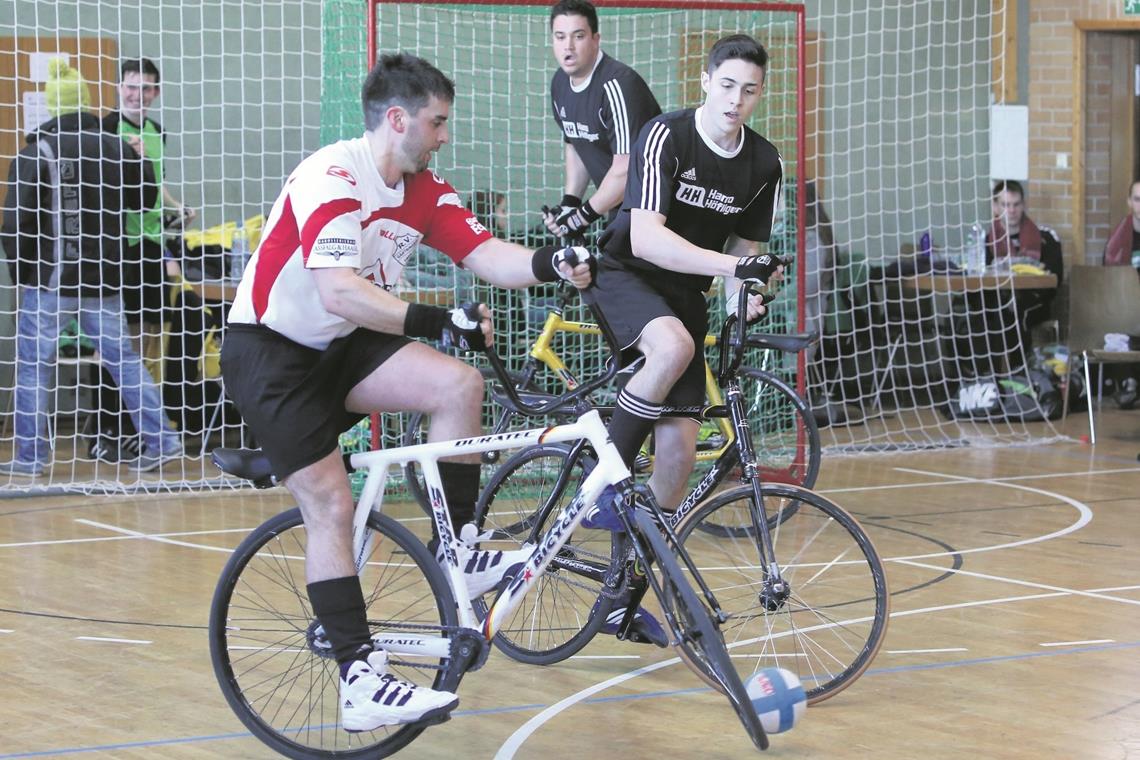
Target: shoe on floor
[(602, 515), (484, 569), (148, 461), (370, 697), (17, 467)]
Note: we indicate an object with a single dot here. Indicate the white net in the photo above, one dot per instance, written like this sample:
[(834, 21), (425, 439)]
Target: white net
[(896, 140), (913, 356), (239, 104)]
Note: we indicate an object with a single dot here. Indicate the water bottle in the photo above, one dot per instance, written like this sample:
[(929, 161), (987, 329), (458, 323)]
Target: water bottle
[(976, 250), (925, 245), (239, 253)]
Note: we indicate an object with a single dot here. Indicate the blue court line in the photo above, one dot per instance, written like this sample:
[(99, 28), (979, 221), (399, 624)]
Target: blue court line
[(595, 700)]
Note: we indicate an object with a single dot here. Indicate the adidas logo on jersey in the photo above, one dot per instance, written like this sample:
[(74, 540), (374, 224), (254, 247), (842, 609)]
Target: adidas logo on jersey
[(562, 112), (690, 175)]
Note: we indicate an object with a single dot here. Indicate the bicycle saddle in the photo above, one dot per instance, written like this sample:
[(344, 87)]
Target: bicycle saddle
[(791, 343), (250, 464)]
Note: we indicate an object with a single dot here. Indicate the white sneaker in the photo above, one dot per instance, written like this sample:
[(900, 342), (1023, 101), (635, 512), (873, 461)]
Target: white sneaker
[(485, 568), (370, 697)]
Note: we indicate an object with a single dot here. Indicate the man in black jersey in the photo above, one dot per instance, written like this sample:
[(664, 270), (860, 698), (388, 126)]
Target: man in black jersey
[(703, 191), (600, 105)]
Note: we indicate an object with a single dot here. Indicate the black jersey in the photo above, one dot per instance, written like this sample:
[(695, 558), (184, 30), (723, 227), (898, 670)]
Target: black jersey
[(704, 192), (602, 117)]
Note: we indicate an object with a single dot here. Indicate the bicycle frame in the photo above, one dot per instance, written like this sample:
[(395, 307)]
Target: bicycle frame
[(609, 470)]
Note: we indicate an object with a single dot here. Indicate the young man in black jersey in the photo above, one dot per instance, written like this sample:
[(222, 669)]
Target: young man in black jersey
[(702, 193), (600, 105)]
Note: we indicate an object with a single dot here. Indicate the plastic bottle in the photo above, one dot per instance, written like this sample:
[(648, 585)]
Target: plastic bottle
[(925, 245), (239, 253), (976, 250)]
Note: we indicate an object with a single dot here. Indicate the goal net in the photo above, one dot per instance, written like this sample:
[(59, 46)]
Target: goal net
[(894, 127)]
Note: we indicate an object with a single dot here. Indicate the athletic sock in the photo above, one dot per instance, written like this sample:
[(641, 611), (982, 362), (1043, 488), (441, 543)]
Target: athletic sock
[(339, 604), (633, 420), (461, 489)]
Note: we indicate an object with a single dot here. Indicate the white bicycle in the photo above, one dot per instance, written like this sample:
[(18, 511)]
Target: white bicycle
[(276, 668)]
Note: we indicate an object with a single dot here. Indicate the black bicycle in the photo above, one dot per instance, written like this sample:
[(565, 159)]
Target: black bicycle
[(800, 582)]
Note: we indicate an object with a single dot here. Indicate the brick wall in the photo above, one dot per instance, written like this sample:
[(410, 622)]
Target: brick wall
[(1052, 41), (1098, 113)]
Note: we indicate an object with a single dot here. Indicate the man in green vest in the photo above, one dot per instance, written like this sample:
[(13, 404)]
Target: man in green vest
[(145, 260)]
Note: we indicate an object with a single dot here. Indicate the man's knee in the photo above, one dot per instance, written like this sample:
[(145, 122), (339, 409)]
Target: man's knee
[(667, 344)]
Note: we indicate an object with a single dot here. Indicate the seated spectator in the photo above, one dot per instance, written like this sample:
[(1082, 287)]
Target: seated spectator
[(69, 190), (1122, 249), (1013, 235), (1123, 246)]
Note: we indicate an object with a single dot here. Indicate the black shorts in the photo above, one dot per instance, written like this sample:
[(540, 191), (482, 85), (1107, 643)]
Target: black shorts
[(292, 396), (630, 302)]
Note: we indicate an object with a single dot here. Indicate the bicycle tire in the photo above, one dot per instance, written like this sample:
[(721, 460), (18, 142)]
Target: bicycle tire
[(568, 604), (272, 664), (697, 636), (831, 627), (417, 429), (776, 415)]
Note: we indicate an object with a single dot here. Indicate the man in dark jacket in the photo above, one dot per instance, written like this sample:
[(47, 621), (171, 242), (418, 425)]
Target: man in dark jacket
[(68, 190)]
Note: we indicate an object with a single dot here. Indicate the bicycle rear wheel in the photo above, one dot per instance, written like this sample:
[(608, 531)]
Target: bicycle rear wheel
[(830, 627), (269, 653), (697, 636), (567, 605)]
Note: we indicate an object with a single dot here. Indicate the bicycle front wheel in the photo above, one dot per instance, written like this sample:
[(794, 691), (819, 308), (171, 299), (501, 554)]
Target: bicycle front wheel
[(568, 604), (829, 627), (697, 636), (271, 657)]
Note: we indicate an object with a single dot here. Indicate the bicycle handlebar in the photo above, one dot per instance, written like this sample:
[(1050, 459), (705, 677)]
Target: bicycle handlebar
[(572, 397)]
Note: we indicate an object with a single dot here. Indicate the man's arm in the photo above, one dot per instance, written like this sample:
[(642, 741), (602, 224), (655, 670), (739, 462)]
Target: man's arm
[(653, 241), (508, 265), (610, 193), (577, 178), (351, 297)]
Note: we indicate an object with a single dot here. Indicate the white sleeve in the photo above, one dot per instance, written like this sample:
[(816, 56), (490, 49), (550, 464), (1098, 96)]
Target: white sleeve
[(326, 203)]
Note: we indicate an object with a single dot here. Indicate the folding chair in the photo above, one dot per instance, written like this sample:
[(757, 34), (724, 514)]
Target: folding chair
[(1101, 300)]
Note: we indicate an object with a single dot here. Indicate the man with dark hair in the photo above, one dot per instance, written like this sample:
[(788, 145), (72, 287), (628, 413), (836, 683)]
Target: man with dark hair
[(1016, 237), (599, 104), (316, 341), (146, 262), (69, 190), (702, 193), (1123, 245)]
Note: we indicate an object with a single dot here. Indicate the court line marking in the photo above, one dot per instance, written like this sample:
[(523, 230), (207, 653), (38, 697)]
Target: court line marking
[(926, 651), (246, 736), (1019, 582), (947, 480), (516, 740), (522, 733), (113, 641), (94, 539), (1076, 643), (7, 630)]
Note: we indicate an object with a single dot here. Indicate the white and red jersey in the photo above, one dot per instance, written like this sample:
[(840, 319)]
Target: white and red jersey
[(336, 211)]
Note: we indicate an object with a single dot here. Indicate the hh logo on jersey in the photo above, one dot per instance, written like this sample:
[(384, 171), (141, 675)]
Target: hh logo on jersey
[(713, 200), (691, 194), (342, 173), (578, 131)]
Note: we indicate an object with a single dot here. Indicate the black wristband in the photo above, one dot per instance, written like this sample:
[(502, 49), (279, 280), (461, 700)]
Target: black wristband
[(570, 201), (542, 264), (425, 321), (588, 212)]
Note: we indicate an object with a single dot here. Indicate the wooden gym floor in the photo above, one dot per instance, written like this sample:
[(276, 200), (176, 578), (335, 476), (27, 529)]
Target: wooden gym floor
[(1017, 635)]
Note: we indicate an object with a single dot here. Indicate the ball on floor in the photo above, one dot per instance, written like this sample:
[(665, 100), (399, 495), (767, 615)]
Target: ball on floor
[(778, 698)]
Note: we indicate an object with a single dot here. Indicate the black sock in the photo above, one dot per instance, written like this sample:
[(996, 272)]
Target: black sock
[(633, 419), (461, 489), (339, 604)]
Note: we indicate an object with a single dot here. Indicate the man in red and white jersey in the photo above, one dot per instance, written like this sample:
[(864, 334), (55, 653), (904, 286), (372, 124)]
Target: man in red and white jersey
[(316, 341)]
